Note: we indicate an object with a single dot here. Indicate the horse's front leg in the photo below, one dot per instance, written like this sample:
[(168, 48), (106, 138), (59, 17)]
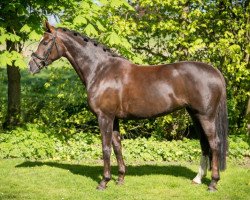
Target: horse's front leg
[(106, 128), (116, 141)]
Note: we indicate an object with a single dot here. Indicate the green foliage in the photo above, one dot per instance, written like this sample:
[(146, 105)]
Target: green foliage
[(167, 127), (34, 142), (151, 149), (239, 147), (6, 58), (100, 19), (28, 143), (142, 149), (148, 32)]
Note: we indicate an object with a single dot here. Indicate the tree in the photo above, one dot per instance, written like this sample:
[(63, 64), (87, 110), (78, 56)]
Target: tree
[(20, 21)]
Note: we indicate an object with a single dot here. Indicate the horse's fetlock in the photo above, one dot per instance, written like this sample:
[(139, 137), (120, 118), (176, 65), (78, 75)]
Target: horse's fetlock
[(216, 178), (107, 178)]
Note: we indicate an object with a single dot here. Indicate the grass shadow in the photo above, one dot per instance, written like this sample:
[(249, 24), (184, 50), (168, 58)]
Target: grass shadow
[(94, 172)]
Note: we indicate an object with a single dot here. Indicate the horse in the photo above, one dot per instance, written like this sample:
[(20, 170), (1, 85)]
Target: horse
[(118, 89)]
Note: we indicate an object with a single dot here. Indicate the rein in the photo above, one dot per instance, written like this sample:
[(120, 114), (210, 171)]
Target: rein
[(44, 58)]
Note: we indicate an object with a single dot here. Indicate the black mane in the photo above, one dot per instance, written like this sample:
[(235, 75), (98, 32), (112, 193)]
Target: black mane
[(93, 41)]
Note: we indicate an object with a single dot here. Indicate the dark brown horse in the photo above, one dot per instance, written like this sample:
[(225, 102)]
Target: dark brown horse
[(119, 89)]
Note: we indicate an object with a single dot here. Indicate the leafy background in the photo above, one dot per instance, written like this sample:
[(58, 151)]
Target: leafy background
[(146, 32)]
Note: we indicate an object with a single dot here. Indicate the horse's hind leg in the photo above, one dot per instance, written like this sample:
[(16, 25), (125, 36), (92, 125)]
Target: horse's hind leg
[(208, 125), (204, 161), (202, 172), (116, 141)]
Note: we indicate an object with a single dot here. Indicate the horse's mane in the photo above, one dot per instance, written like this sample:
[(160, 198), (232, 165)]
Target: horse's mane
[(93, 41)]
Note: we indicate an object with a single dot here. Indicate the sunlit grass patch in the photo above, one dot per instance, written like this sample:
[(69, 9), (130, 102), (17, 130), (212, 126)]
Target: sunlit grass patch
[(23, 179)]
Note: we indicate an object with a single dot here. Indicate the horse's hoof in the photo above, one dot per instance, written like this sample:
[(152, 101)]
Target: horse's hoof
[(101, 187), (212, 189), (195, 183)]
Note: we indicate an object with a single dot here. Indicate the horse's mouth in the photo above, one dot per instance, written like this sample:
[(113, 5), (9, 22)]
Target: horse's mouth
[(33, 68)]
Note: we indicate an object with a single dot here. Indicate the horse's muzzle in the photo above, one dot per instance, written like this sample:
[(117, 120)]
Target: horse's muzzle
[(33, 68)]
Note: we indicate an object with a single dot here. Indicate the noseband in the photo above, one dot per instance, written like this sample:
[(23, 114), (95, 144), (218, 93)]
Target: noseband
[(45, 58)]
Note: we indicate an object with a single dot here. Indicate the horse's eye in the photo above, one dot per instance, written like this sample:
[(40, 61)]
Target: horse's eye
[(45, 43)]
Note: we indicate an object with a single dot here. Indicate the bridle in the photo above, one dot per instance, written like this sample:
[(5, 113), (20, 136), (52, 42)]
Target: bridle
[(44, 58)]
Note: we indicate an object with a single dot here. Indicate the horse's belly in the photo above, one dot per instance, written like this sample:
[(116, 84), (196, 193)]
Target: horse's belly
[(151, 105)]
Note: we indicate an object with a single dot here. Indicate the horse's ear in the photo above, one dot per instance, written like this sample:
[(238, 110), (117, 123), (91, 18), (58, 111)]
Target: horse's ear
[(48, 28)]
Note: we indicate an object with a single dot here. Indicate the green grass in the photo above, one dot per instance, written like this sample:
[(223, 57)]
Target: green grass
[(20, 179)]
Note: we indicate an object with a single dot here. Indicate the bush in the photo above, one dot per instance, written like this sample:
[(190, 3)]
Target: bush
[(142, 149), (33, 142), (171, 127)]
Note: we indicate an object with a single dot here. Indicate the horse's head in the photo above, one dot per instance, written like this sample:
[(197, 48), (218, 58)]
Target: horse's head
[(49, 49)]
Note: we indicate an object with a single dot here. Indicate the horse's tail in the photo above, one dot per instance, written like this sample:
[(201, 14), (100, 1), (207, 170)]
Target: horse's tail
[(222, 128)]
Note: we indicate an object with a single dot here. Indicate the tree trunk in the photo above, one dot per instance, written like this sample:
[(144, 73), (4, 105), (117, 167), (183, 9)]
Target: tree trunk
[(14, 93), (14, 96)]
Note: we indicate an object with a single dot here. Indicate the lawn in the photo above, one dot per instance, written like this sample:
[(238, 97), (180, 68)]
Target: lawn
[(23, 179)]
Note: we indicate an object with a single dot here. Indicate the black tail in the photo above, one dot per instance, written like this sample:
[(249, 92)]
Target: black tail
[(222, 130)]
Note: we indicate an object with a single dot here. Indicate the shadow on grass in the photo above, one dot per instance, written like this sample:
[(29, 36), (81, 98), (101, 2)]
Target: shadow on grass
[(94, 172)]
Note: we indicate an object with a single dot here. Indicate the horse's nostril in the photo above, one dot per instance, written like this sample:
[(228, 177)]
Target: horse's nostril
[(42, 63)]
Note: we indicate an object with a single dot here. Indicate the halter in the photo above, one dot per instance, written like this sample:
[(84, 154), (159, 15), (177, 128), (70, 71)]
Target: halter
[(45, 58)]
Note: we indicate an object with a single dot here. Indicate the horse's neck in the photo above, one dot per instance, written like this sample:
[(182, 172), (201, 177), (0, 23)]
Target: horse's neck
[(85, 59)]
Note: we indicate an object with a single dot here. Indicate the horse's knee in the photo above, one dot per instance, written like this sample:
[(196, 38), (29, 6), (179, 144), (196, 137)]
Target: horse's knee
[(106, 152)]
